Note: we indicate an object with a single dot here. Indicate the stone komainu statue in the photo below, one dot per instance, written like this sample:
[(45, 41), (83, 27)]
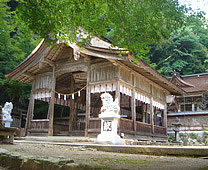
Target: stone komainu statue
[(109, 106), (7, 110)]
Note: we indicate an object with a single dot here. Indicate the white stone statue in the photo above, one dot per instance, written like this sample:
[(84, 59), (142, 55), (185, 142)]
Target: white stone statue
[(7, 110), (109, 106), (109, 121)]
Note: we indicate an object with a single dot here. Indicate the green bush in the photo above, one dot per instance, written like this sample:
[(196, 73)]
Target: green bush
[(193, 135), (170, 138)]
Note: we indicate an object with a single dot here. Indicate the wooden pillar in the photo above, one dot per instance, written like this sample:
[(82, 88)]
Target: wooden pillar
[(88, 102), (51, 105), (151, 114), (133, 109), (143, 113), (72, 104), (118, 96), (155, 115), (30, 110), (20, 120), (165, 118)]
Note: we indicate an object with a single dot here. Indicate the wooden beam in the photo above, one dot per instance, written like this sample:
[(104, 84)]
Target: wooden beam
[(71, 67), (165, 118), (155, 116), (133, 102), (30, 110), (72, 108), (46, 61), (118, 96), (133, 109), (88, 102), (152, 114), (103, 55), (96, 53), (51, 105), (114, 62), (28, 75), (49, 62)]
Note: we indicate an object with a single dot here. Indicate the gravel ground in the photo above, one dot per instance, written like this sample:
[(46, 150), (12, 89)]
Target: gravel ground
[(107, 160)]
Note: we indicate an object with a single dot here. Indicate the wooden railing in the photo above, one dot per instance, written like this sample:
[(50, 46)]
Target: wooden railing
[(159, 130), (143, 127), (79, 125), (126, 124), (63, 124), (39, 127), (95, 123), (39, 124)]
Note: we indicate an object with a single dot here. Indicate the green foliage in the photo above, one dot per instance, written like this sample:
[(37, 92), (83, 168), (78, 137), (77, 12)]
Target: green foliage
[(130, 24), (16, 92), (16, 42), (182, 136), (170, 138), (185, 52), (40, 109), (193, 135), (206, 132)]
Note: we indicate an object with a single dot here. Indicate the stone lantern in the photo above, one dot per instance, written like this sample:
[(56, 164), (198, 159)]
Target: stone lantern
[(176, 125)]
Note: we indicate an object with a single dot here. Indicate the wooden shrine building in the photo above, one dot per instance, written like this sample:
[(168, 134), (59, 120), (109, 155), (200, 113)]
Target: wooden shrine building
[(72, 79), (192, 107)]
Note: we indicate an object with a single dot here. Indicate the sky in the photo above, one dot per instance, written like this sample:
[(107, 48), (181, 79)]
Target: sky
[(198, 5)]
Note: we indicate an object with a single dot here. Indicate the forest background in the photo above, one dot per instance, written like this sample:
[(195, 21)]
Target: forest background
[(184, 49)]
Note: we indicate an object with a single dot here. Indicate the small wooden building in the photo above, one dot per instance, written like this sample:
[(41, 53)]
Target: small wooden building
[(195, 96), (192, 107), (75, 78)]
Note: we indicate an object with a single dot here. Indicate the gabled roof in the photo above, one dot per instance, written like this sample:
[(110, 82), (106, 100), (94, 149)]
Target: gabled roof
[(191, 84), (179, 82), (44, 57)]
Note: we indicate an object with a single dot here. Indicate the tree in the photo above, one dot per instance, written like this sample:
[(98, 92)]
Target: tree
[(130, 24), (183, 52), (16, 42)]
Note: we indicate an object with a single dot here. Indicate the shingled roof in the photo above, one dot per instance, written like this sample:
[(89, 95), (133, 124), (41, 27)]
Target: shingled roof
[(191, 84), (44, 57)]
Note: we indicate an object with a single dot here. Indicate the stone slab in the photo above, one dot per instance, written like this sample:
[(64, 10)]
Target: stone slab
[(190, 151)]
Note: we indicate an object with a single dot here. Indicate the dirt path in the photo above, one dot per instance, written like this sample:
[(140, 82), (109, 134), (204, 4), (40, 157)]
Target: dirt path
[(106, 160)]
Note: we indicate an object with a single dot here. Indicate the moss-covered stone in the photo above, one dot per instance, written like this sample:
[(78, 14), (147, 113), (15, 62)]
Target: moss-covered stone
[(25, 162)]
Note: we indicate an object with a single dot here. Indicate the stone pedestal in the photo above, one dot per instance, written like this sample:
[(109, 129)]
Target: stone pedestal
[(7, 123), (109, 130), (176, 136), (177, 124), (7, 134), (109, 121)]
